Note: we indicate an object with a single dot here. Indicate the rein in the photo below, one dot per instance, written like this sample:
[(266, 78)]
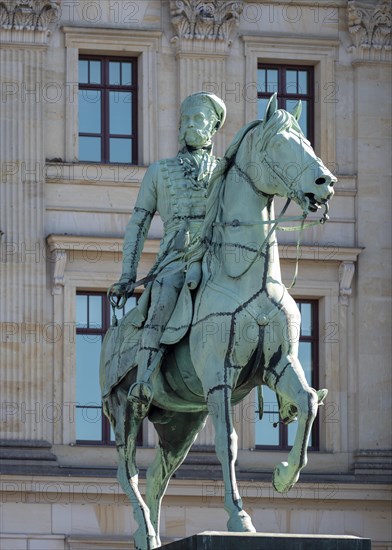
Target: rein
[(275, 223)]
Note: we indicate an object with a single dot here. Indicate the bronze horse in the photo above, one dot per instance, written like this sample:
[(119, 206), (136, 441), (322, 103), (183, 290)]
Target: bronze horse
[(201, 374)]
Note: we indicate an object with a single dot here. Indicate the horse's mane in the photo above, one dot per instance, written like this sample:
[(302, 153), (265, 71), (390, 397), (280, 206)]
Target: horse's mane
[(280, 120)]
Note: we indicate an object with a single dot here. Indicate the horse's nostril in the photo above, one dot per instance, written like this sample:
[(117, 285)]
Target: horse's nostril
[(320, 181)]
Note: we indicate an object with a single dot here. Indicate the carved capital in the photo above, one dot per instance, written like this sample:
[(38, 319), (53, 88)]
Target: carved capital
[(27, 20), (369, 24), (346, 273), (201, 20), (59, 263)]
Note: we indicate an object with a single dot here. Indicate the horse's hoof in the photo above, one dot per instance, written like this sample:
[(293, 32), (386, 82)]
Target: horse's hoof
[(144, 541), (284, 478), (240, 523)]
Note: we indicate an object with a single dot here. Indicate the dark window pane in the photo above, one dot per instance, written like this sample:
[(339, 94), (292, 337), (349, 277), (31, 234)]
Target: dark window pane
[(266, 434), (261, 106), (88, 348), (90, 149), (90, 111), (305, 357), (95, 311), (306, 319), (112, 438), (81, 311), (83, 71), (291, 82), (88, 424), (95, 72), (120, 150), (120, 112), (114, 72), (302, 82), (272, 80), (126, 69), (261, 81)]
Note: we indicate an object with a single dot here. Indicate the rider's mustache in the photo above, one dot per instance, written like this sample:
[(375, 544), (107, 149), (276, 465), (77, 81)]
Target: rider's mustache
[(203, 134)]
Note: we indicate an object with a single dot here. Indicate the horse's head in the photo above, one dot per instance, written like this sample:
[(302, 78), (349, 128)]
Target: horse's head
[(289, 164)]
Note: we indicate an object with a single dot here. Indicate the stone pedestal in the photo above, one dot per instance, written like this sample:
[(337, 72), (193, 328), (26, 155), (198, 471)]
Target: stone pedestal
[(212, 540)]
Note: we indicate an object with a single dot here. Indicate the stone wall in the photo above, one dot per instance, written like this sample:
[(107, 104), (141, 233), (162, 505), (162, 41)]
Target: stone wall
[(54, 210)]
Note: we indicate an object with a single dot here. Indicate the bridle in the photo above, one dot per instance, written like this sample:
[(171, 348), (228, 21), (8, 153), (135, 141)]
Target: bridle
[(291, 193)]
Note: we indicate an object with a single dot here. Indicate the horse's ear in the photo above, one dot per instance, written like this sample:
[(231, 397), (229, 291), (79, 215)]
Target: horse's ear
[(297, 110), (271, 107)]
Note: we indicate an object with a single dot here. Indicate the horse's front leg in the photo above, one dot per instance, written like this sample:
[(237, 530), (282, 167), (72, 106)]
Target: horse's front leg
[(126, 426), (218, 395), (299, 400)]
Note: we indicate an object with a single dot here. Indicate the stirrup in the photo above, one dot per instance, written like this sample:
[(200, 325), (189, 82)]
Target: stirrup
[(140, 393)]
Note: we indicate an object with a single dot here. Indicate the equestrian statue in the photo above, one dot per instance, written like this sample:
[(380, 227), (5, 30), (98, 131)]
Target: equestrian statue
[(217, 270)]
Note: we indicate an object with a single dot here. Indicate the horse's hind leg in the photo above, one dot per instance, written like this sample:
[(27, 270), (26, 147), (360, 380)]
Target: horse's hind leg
[(126, 427), (176, 437), (218, 397)]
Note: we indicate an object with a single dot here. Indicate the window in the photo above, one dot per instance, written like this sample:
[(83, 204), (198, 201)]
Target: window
[(291, 82), (269, 433), (107, 109), (92, 322)]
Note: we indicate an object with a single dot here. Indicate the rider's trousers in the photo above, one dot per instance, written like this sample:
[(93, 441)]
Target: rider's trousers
[(164, 293)]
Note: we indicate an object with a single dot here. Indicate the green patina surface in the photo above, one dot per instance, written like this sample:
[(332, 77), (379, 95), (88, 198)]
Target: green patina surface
[(215, 320)]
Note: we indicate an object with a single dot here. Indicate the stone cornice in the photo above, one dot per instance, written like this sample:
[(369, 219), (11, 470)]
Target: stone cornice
[(319, 253), (369, 25), (201, 21), (76, 484), (27, 21)]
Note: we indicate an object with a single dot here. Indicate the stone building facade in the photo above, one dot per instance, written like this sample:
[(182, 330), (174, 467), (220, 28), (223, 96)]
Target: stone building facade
[(62, 222)]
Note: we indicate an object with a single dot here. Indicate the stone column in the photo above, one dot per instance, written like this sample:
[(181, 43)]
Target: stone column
[(203, 32), (348, 381), (369, 25), (26, 331)]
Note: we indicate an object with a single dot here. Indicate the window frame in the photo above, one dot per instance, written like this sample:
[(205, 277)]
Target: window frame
[(321, 53), (105, 87), (283, 96), (105, 312), (314, 338), (141, 44), (101, 331)]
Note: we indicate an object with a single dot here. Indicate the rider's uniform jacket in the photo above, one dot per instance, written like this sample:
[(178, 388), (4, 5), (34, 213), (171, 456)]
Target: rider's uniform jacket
[(176, 189)]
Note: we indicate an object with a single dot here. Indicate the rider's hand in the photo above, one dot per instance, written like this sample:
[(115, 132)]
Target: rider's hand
[(124, 287)]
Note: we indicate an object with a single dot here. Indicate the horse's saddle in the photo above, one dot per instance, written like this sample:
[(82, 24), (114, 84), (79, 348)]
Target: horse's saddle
[(121, 343)]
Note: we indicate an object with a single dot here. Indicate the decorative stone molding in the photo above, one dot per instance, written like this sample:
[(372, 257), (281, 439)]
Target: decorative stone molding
[(205, 20), (59, 263), (369, 25), (346, 273), (27, 21)]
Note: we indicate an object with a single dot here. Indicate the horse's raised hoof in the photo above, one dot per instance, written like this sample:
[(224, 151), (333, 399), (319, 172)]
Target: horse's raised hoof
[(240, 522), (284, 478)]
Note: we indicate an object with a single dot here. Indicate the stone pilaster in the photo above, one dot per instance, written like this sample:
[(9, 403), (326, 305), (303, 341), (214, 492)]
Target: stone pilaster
[(202, 39), (25, 331), (369, 24)]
